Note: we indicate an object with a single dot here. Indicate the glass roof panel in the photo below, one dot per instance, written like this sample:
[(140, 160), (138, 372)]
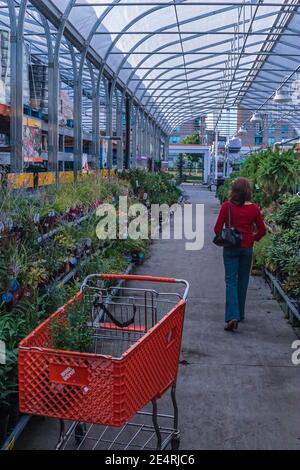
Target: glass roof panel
[(200, 55)]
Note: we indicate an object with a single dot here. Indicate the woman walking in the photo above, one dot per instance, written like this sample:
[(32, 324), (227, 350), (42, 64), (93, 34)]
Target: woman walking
[(246, 218)]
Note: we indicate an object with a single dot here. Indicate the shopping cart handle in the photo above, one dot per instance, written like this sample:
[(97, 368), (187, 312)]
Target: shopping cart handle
[(132, 277)]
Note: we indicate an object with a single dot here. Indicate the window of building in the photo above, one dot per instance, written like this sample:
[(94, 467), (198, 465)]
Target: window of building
[(271, 140), (258, 129), (258, 140), (285, 129), (174, 139), (271, 130)]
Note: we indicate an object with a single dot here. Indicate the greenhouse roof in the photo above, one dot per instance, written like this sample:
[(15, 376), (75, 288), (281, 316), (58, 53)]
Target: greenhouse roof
[(179, 59)]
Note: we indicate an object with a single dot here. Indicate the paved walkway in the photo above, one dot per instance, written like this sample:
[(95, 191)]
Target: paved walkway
[(235, 390)]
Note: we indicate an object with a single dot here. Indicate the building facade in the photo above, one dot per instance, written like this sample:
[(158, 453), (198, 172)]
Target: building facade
[(197, 125), (265, 134)]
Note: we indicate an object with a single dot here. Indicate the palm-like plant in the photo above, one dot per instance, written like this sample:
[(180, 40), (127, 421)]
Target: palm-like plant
[(278, 173)]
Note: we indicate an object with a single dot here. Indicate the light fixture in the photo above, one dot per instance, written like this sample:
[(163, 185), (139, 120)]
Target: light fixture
[(242, 130), (256, 117), (281, 96)]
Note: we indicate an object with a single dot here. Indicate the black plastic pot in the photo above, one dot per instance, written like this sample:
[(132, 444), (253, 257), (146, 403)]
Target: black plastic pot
[(4, 417)]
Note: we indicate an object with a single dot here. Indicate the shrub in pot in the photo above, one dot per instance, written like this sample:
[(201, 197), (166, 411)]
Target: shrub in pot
[(72, 333)]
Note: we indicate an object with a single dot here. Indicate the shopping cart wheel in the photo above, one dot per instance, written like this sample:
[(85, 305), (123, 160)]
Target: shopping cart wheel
[(80, 431), (175, 443)]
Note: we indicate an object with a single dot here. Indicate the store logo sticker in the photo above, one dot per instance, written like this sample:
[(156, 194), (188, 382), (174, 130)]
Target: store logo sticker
[(67, 373), (2, 352), (71, 375)]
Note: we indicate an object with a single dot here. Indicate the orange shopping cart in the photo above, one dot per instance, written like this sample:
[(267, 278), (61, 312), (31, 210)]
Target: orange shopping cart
[(136, 329)]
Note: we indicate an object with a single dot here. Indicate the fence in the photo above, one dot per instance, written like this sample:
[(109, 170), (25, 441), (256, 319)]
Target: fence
[(33, 180)]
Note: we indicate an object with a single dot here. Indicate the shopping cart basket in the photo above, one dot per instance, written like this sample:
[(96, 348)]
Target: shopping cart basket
[(134, 359)]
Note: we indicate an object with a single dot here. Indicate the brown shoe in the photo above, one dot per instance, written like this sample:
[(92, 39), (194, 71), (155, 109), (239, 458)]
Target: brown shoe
[(231, 325)]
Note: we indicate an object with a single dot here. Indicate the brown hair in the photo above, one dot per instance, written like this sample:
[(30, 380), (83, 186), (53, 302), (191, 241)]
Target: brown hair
[(241, 191)]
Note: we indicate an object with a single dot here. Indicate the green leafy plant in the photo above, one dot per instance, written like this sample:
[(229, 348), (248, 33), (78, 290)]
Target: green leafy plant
[(288, 210), (36, 274), (160, 187), (9, 377), (64, 240), (278, 173), (261, 252), (72, 332)]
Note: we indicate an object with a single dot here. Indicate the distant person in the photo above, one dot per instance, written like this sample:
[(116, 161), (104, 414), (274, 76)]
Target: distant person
[(246, 218)]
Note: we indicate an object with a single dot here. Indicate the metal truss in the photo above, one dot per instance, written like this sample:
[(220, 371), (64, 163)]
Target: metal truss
[(198, 57)]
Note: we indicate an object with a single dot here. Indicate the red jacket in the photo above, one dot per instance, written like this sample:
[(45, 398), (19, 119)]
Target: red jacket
[(247, 219)]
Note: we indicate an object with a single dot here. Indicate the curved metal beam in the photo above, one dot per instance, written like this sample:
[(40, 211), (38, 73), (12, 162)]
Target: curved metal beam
[(17, 58)]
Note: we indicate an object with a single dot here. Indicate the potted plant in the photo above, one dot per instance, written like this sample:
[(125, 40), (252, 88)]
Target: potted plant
[(72, 332), (65, 244), (35, 275)]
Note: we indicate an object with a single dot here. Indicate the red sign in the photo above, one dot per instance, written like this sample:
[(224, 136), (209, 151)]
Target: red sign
[(73, 375)]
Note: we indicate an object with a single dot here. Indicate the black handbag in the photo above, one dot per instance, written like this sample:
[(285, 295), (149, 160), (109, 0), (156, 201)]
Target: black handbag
[(229, 236)]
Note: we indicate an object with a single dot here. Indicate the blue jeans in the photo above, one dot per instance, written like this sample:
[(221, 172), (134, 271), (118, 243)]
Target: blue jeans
[(237, 263)]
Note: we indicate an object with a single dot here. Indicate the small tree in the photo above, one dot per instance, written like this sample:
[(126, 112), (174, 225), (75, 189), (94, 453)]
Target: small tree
[(180, 165), (191, 139)]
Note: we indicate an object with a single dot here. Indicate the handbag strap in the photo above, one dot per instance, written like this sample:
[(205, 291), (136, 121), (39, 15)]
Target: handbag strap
[(230, 215)]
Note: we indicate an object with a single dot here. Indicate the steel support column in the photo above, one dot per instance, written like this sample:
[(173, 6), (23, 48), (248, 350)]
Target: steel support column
[(95, 121), (17, 64), (128, 104), (167, 148), (146, 132), (140, 133), (149, 136), (53, 100), (134, 137), (143, 133), (77, 124), (53, 94), (53, 103), (119, 124), (109, 105)]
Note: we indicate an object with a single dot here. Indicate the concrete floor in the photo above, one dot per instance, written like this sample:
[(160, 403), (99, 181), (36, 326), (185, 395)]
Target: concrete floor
[(235, 390)]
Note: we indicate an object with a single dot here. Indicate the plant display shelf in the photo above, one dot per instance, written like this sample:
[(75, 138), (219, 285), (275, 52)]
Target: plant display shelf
[(290, 307), (73, 223)]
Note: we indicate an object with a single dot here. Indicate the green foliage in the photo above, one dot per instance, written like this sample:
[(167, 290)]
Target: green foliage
[(250, 166), (278, 173), (291, 283), (35, 275), (72, 333), (262, 250), (288, 210), (8, 377), (286, 243), (160, 187), (273, 173), (191, 139), (224, 190)]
